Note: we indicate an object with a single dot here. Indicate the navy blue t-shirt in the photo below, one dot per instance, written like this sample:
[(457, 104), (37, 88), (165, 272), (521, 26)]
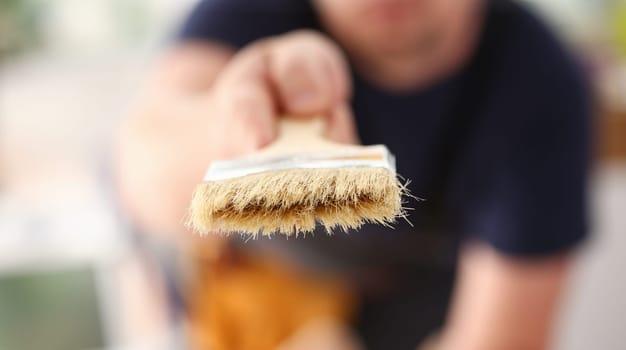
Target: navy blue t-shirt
[(499, 150)]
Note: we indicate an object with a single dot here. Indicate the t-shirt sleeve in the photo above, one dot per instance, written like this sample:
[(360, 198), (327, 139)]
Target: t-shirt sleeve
[(239, 22), (522, 184)]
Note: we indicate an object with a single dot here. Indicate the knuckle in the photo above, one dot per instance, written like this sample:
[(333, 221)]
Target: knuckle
[(294, 66), (316, 42), (255, 134), (251, 117), (307, 35), (245, 110), (298, 66), (245, 95)]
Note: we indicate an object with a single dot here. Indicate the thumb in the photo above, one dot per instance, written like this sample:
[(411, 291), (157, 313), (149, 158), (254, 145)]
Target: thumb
[(309, 74)]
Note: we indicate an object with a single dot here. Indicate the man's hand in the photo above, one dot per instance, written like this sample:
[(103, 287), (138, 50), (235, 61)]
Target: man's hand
[(298, 74)]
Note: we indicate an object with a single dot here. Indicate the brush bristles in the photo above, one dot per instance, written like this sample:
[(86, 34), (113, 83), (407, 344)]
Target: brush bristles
[(293, 201)]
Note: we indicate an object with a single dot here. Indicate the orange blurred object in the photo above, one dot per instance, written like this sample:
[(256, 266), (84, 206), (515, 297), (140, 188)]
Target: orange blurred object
[(247, 302)]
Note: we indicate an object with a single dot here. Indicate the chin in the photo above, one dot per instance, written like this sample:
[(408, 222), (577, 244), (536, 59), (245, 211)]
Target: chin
[(399, 40)]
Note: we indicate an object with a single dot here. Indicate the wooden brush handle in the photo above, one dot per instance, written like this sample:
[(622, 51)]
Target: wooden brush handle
[(301, 135)]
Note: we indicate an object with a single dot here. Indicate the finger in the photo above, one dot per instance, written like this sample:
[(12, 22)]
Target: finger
[(243, 94), (310, 72), (341, 126), (302, 79), (339, 73), (250, 62), (250, 106)]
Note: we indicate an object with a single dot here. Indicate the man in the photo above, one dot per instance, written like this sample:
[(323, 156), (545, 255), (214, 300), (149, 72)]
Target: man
[(485, 112)]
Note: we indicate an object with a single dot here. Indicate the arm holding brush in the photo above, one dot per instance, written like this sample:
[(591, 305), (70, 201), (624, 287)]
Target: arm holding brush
[(205, 102)]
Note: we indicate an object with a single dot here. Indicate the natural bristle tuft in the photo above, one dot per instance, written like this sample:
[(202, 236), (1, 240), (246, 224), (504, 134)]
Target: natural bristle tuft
[(294, 201)]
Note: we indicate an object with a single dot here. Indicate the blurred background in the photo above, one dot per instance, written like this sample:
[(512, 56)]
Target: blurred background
[(71, 275)]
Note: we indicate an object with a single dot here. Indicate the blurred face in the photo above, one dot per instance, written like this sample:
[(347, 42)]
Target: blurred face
[(389, 27)]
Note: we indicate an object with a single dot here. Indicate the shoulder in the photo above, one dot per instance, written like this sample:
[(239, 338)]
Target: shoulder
[(529, 66), (530, 49)]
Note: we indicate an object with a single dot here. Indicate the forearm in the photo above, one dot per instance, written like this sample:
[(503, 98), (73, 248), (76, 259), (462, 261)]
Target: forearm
[(162, 153), (503, 302), (163, 147)]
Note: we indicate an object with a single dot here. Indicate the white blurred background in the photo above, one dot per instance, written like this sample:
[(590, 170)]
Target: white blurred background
[(69, 69)]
